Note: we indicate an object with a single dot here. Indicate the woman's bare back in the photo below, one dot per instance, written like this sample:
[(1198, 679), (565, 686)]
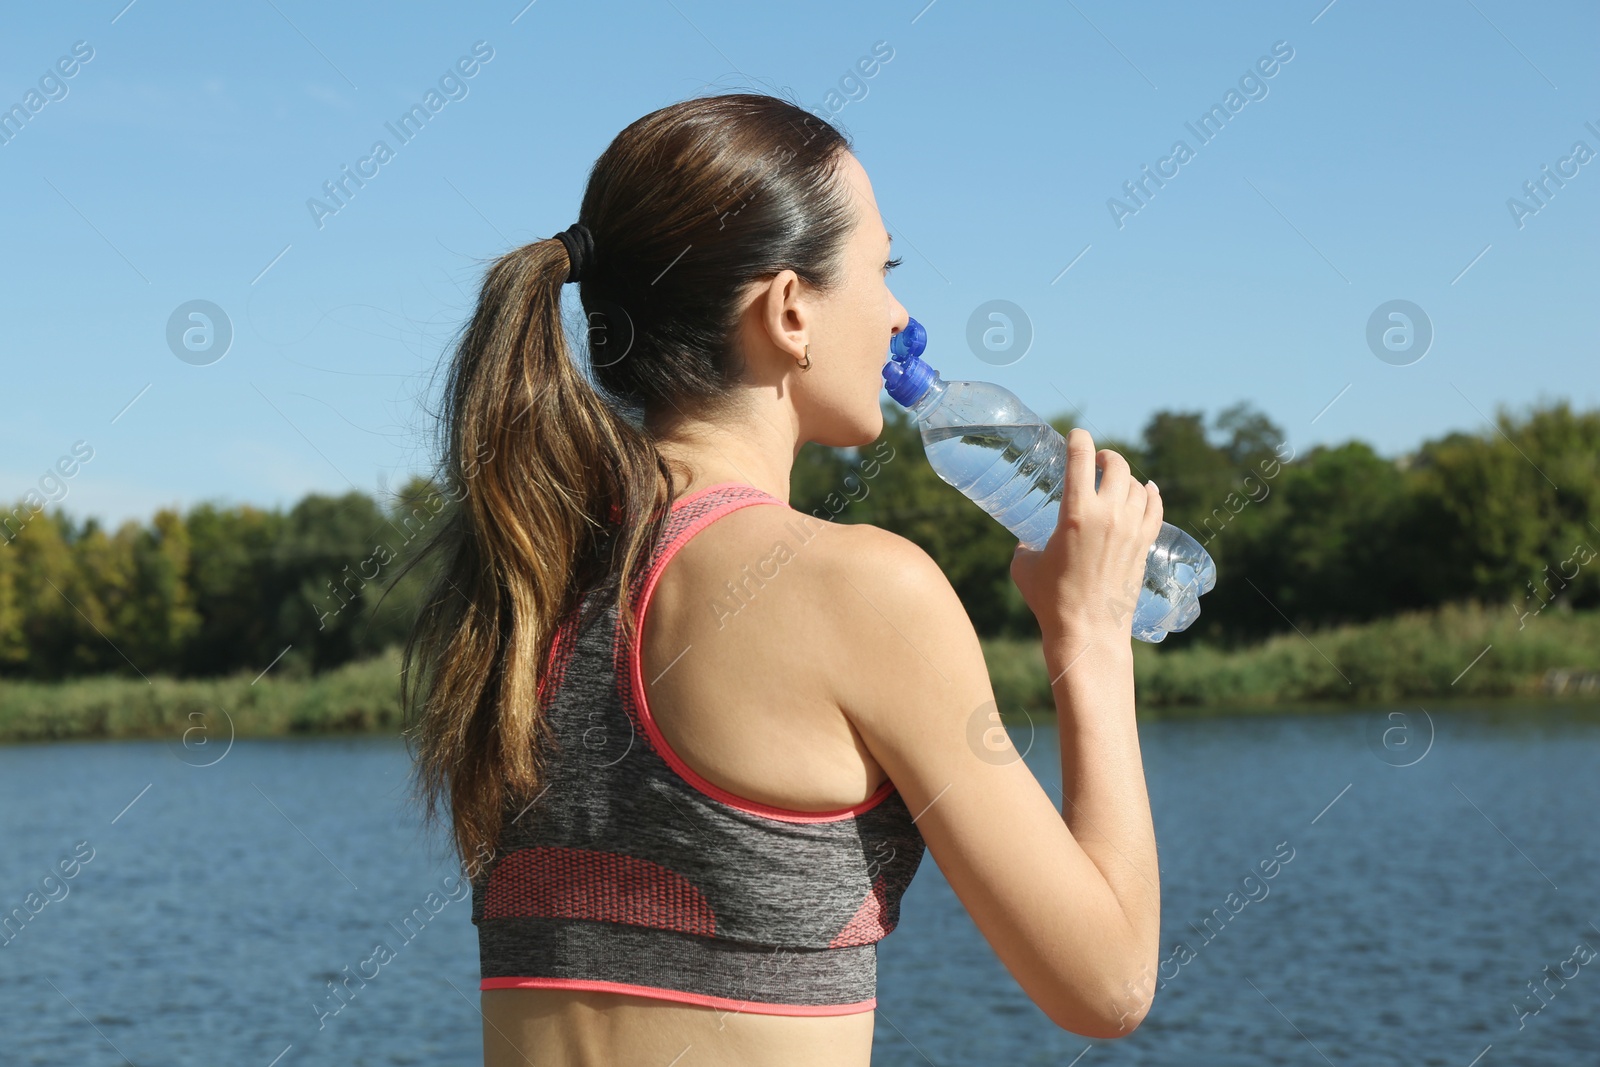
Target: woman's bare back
[(735, 661), (853, 661), (737, 685)]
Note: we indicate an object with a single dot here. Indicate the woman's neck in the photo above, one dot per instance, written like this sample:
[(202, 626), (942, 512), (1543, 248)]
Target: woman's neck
[(754, 447)]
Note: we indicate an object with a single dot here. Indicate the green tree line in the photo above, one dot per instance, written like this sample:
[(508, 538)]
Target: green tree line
[(1302, 537)]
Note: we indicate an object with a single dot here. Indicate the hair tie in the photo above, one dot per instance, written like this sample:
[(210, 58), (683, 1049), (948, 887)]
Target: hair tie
[(579, 243)]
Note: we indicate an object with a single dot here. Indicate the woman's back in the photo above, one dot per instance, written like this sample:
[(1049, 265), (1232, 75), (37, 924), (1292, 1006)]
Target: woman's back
[(735, 653), (717, 840)]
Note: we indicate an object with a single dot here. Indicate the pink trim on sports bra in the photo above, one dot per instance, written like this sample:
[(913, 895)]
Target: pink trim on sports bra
[(658, 993), (636, 674)]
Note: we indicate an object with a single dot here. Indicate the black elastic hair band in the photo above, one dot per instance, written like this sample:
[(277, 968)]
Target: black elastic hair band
[(579, 243)]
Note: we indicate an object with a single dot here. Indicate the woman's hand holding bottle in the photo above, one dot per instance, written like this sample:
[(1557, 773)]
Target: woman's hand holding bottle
[(1084, 584)]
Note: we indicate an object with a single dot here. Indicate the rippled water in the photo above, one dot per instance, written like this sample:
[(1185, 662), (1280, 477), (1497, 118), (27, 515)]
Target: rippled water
[(1406, 928)]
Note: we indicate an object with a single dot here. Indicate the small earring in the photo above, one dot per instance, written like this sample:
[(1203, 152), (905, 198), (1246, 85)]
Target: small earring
[(807, 364)]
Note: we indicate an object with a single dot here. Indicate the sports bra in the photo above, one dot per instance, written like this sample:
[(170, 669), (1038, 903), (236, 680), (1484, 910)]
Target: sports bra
[(631, 873)]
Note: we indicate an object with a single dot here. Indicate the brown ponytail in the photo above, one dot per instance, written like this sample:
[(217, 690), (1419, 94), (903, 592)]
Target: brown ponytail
[(558, 489)]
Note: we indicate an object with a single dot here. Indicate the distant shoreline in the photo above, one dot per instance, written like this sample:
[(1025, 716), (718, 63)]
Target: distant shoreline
[(1452, 654), (1439, 660)]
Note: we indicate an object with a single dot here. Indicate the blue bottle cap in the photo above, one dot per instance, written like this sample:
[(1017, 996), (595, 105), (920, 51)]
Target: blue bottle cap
[(906, 376), (911, 341)]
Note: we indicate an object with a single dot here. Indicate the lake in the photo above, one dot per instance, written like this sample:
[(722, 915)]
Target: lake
[(1434, 898)]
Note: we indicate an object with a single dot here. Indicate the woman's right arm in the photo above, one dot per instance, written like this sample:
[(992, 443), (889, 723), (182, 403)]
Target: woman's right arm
[(1068, 898)]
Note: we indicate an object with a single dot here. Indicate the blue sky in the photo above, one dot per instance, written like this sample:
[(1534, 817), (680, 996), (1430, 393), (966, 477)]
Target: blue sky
[(1376, 164)]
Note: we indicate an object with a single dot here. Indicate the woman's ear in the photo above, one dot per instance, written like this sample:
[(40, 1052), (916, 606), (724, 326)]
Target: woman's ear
[(783, 314)]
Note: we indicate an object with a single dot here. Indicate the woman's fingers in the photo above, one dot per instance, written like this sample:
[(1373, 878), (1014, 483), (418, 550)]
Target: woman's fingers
[(1114, 477), (1097, 554), (1150, 528), (1080, 465)]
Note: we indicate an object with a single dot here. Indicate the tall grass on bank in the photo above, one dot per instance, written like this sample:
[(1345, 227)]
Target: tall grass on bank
[(359, 697), (1427, 655), (1453, 652)]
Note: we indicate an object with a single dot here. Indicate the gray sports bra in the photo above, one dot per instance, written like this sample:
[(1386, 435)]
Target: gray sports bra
[(630, 873)]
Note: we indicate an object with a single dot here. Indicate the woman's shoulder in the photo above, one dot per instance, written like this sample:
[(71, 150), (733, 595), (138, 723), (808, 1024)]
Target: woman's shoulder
[(887, 564), (857, 576), (858, 552), (793, 591), (843, 570)]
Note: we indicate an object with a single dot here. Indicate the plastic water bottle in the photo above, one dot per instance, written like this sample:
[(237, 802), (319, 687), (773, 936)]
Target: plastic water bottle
[(984, 441)]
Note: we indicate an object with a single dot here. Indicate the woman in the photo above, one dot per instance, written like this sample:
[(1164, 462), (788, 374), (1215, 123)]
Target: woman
[(685, 838)]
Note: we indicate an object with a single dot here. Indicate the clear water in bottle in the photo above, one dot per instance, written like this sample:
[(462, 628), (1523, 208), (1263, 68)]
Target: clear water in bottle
[(984, 441)]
